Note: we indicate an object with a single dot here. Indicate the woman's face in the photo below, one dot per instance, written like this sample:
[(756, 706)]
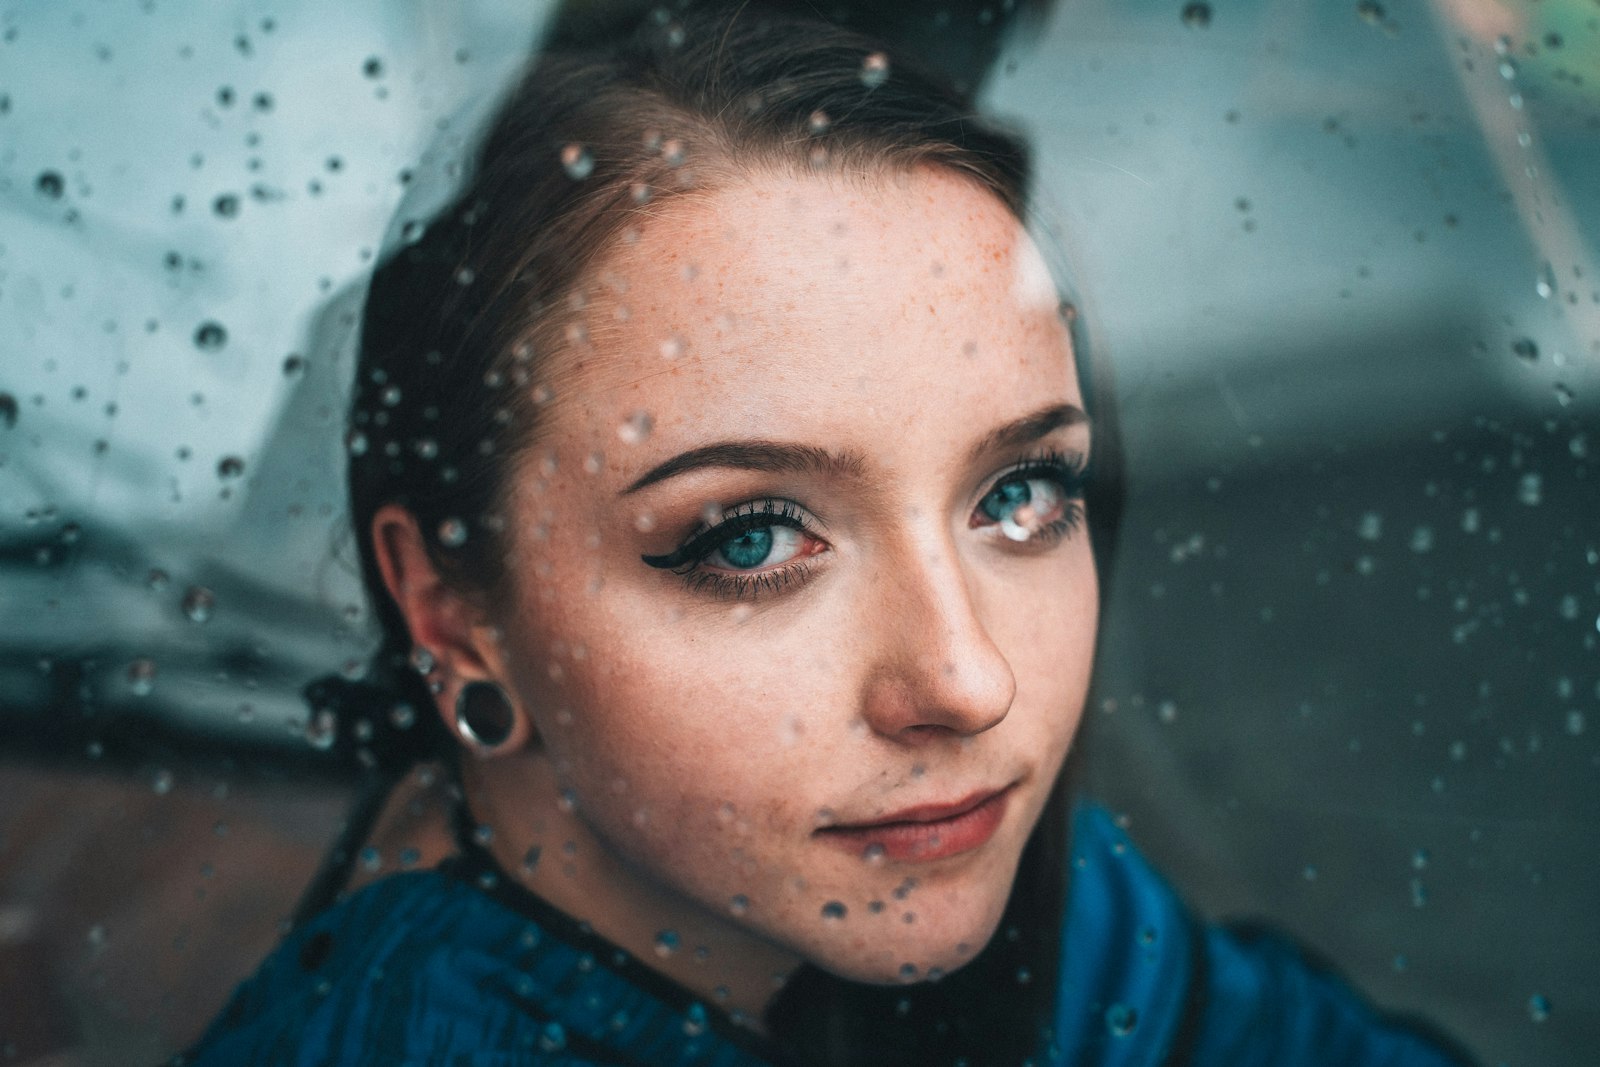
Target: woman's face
[(804, 605)]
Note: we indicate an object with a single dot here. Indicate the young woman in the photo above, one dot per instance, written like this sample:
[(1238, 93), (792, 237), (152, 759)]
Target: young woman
[(720, 463)]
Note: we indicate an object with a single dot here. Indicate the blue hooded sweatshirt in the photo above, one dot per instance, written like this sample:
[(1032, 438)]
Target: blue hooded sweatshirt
[(439, 969)]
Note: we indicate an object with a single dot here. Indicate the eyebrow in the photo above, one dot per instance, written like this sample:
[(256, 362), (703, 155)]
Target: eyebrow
[(784, 458)]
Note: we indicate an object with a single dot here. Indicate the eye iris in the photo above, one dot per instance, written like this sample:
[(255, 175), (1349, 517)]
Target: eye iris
[(749, 549), (1006, 498)]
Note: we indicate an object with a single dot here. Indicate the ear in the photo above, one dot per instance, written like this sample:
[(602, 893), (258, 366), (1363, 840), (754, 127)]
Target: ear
[(464, 645)]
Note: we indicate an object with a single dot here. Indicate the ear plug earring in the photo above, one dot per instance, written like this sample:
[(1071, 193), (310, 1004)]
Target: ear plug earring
[(484, 714)]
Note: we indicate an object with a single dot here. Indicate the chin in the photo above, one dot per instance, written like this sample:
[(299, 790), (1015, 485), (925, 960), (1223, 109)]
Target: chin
[(889, 951)]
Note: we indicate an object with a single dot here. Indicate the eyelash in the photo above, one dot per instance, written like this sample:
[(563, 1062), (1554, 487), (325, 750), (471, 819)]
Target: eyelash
[(1068, 472)]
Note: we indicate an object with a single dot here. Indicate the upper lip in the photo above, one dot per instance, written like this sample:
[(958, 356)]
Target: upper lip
[(923, 813)]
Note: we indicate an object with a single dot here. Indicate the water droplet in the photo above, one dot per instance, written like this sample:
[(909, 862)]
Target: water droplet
[(1419, 859), (1530, 490), (452, 533), (666, 943), (226, 206), (96, 936), (1576, 722), (198, 603), (294, 365), (739, 905), (833, 909), (819, 121), (142, 677), (1564, 394), (230, 467), (322, 730), (1508, 68), (157, 579), (873, 854), (1422, 539), (8, 410), (1196, 16), (210, 337), (673, 152), (874, 70), (1546, 284), (50, 185), (672, 347), (161, 782), (552, 1037), (1525, 348), (390, 397), (695, 1021), (1538, 1007), (1167, 712), (1370, 12), (373, 67), (577, 162), (635, 429), (1121, 1020)]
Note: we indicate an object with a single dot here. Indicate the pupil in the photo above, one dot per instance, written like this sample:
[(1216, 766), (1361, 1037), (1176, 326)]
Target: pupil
[(1006, 498), (749, 548)]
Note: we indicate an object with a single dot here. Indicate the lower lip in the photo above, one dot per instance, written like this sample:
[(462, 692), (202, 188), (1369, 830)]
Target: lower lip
[(924, 841)]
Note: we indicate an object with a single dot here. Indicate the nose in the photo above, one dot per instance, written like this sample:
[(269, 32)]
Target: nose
[(938, 672)]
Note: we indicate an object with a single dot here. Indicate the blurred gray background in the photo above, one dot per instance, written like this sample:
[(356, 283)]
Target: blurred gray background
[(1341, 256)]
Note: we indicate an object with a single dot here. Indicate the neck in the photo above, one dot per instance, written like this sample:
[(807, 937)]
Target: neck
[(549, 848)]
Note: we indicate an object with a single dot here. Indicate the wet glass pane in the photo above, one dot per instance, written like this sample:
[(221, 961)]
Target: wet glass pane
[(1339, 260)]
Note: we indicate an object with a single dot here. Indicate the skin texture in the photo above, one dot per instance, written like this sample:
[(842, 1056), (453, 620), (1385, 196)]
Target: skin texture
[(679, 742)]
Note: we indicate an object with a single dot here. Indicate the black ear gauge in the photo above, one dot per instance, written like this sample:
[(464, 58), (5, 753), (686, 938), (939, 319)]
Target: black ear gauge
[(484, 715)]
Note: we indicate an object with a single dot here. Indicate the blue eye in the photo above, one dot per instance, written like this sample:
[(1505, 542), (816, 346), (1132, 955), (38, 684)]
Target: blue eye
[(1038, 501), (756, 546), (750, 545)]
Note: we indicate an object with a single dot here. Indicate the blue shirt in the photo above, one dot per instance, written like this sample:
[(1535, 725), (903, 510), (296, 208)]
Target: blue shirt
[(441, 969)]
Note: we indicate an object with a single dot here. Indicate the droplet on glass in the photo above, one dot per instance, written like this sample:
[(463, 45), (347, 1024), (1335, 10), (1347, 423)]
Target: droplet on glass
[(294, 365), (739, 905), (161, 782), (356, 443), (819, 121), (1530, 490), (1196, 16), (635, 429), (226, 206), (141, 677), (452, 533), (833, 909), (198, 603), (1370, 12), (666, 943), (373, 67), (1121, 1020), (1525, 348), (210, 337), (1538, 1007), (422, 660), (8, 410), (230, 467), (322, 730), (1545, 286), (672, 347), (50, 185), (576, 161), (874, 70), (1422, 539)]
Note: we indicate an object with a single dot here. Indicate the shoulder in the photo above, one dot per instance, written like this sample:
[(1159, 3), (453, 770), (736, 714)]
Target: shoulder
[(413, 968), (434, 968), (1142, 981)]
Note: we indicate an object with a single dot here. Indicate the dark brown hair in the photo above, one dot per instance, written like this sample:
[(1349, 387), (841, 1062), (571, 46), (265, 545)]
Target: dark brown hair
[(454, 371)]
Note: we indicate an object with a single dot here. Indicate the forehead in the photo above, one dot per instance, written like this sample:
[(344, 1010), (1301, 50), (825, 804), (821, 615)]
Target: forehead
[(789, 299)]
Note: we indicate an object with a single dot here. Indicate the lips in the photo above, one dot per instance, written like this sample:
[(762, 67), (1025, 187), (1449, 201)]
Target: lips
[(925, 833)]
